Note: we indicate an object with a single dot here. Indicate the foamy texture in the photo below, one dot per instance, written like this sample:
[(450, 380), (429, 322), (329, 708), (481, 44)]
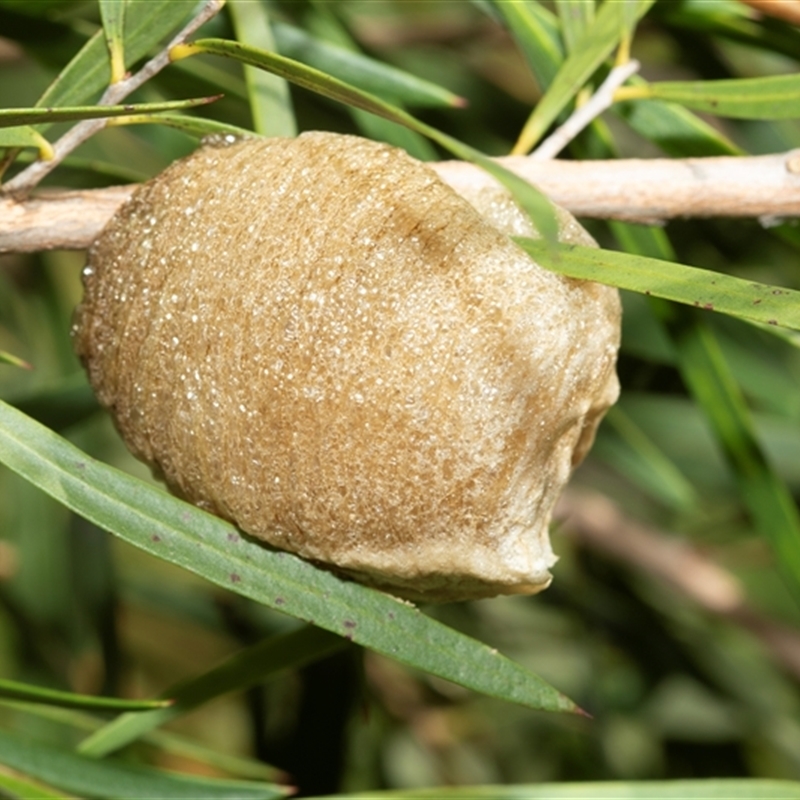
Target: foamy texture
[(319, 340)]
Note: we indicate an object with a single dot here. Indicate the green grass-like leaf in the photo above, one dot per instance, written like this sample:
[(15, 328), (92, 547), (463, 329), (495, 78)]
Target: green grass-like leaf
[(253, 665), (775, 97), (165, 741), (13, 690), (112, 13), (88, 73), (706, 373), (676, 130), (194, 126), (765, 495), (30, 116), (270, 102), (367, 73), (19, 788), (110, 780), (592, 49), (536, 31), (182, 534), (576, 16), (635, 454), (711, 789), (15, 361), (713, 291)]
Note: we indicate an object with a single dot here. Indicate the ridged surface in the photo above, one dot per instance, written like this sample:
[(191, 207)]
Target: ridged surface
[(318, 339)]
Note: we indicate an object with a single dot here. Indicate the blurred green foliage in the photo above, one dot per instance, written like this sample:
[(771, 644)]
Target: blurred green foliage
[(674, 690)]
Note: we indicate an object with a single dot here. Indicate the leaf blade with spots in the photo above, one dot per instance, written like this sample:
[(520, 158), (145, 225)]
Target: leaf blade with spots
[(713, 291), (182, 534)]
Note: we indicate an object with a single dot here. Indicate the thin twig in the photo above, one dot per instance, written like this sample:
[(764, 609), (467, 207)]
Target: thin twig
[(600, 101), (22, 184)]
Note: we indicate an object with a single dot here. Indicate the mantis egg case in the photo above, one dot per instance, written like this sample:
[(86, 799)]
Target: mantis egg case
[(320, 340)]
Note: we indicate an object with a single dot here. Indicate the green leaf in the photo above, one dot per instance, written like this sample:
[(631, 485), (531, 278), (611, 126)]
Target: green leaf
[(112, 13), (765, 495), (536, 32), (635, 455), (775, 97), (18, 788), (532, 201), (25, 136), (182, 534), (15, 361), (171, 743), (270, 102), (711, 789), (114, 170), (251, 666), (591, 50), (194, 126), (367, 73), (576, 17), (27, 116), (110, 780), (712, 384), (146, 24), (13, 690), (677, 131), (713, 291)]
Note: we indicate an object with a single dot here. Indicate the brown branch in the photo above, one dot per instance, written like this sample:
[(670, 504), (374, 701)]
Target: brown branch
[(63, 221), (767, 187), (653, 190), (594, 521)]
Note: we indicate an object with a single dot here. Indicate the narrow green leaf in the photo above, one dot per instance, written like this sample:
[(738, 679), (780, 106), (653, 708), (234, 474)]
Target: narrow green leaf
[(676, 130), (173, 743), (765, 495), (17, 788), (194, 126), (367, 73), (713, 291), (13, 690), (15, 361), (576, 17), (710, 789), (251, 666), (591, 50), (635, 454), (112, 13), (25, 136), (775, 97), (146, 24), (532, 201), (110, 780), (535, 30), (28, 116), (733, 21), (711, 382), (270, 102), (182, 534), (121, 173)]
